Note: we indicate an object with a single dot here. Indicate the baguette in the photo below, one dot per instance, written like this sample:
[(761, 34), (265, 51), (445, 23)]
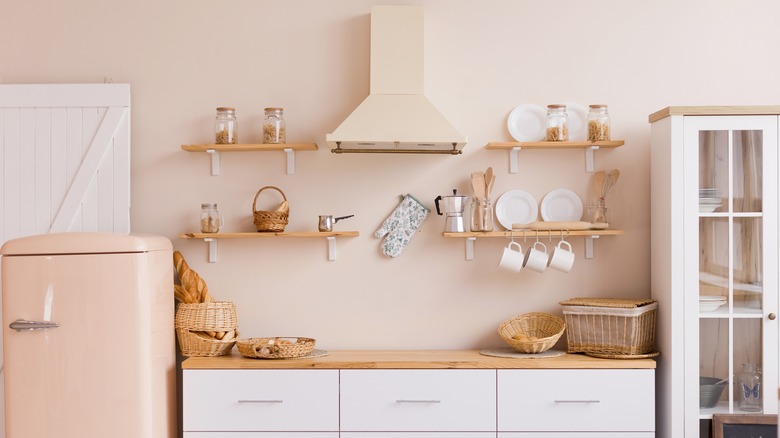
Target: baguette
[(196, 289)]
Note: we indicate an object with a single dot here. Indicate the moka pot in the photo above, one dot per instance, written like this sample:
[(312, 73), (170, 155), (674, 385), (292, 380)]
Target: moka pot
[(453, 211)]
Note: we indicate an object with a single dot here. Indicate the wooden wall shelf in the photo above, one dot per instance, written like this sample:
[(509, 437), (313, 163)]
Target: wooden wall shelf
[(215, 149), (589, 146)]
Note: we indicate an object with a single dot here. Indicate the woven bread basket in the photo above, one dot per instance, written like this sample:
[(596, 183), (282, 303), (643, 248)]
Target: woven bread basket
[(194, 322), (271, 220), (275, 348), (534, 332)]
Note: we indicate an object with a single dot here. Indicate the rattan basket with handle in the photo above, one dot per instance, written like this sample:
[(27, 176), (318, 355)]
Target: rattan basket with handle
[(194, 322), (275, 220), (534, 332)]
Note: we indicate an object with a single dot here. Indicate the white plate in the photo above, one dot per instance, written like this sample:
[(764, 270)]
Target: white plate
[(527, 122), (516, 207), (712, 298), (561, 205), (710, 306), (578, 115)]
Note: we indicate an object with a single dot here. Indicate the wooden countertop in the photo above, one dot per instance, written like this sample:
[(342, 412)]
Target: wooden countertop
[(413, 359)]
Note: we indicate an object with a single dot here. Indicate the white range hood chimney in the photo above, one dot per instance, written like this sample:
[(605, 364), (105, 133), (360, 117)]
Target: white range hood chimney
[(396, 116)]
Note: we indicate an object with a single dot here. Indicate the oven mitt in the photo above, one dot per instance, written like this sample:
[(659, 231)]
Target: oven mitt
[(401, 225)]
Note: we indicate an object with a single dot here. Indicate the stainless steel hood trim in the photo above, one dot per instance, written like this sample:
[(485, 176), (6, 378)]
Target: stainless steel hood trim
[(396, 117)]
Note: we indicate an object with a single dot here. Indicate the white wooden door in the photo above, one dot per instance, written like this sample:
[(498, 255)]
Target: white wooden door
[(64, 161)]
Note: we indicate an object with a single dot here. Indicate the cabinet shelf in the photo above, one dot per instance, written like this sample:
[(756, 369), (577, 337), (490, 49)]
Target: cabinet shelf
[(590, 236), (212, 239), (215, 149), (589, 146)]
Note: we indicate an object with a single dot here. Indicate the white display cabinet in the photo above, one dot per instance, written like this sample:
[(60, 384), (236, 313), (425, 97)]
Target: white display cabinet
[(714, 259)]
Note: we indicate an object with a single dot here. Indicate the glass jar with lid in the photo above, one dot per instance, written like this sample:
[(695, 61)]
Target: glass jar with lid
[(749, 381), (557, 123), (598, 123), (274, 131), (225, 126), (210, 218)]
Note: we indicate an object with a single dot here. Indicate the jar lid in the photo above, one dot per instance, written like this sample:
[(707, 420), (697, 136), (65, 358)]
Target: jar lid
[(597, 105), (556, 105), (225, 108), (274, 109), (207, 205)]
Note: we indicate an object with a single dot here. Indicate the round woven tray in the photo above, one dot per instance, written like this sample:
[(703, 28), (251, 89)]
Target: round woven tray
[(276, 347), (623, 356), (510, 352)]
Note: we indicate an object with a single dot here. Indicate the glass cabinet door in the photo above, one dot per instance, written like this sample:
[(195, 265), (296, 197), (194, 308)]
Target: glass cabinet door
[(733, 299)]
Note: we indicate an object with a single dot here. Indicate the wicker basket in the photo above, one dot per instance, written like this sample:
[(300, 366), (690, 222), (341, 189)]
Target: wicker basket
[(192, 320), (275, 348), (534, 332), (271, 220), (610, 326)]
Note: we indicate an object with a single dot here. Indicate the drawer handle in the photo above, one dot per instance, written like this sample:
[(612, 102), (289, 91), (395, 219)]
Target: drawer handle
[(577, 401), (261, 401), (417, 401)]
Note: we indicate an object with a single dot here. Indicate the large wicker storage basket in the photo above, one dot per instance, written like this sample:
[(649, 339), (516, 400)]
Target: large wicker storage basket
[(194, 320), (610, 326), (275, 220)]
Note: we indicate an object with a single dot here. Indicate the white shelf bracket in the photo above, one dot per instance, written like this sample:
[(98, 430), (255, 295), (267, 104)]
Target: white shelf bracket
[(290, 160), (212, 249), (513, 159), (214, 161), (589, 246), (470, 248), (589, 159), (331, 248)]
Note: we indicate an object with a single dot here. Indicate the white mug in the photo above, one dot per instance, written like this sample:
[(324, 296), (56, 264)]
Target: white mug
[(562, 258), (536, 259), (512, 259)]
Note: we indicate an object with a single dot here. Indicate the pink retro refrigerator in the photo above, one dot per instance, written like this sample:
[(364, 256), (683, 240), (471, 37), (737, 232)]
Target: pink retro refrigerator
[(88, 336)]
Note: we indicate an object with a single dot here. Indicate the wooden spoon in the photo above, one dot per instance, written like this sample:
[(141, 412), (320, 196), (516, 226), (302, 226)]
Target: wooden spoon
[(598, 183), (488, 180), (478, 184)]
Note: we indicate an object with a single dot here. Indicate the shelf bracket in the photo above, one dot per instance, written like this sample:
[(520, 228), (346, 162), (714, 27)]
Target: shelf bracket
[(589, 159), (290, 160), (214, 161), (589, 246), (470, 248), (212, 249), (331, 248), (513, 159)]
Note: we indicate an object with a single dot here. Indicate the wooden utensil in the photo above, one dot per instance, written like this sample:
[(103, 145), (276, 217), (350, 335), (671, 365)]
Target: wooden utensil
[(478, 184), (488, 180)]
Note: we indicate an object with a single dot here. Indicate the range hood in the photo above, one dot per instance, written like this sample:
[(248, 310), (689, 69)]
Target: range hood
[(396, 117)]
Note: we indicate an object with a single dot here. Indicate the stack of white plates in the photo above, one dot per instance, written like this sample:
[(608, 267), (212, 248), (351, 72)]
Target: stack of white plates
[(709, 200), (709, 303)]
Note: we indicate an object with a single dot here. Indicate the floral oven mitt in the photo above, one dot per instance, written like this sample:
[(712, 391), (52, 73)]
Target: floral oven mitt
[(401, 225)]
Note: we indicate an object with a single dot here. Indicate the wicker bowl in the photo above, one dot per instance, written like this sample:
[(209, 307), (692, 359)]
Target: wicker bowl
[(275, 348), (534, 332), (194, 320)]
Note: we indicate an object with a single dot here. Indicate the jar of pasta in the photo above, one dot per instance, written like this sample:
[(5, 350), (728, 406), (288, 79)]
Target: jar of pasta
[(557, 123), (225, 126), (210, 218), (598, 123), (273, 126)]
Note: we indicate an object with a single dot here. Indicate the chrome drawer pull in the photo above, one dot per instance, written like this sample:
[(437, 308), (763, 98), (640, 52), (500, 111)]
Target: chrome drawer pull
[(23, 325), (418, 401), (261, 401), (577, 401)]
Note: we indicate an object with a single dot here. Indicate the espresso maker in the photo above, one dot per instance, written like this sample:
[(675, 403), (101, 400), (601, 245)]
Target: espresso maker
[(453, 211)]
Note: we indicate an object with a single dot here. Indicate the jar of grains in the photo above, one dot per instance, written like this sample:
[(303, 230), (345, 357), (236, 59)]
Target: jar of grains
[(598, 123), (225, 126), (210, 218), (273, 126), (557, 123)]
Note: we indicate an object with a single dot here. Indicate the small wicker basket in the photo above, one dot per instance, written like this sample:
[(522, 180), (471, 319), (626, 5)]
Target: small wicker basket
[(192, 321), (533, 332), (275, 348), (271, 220)]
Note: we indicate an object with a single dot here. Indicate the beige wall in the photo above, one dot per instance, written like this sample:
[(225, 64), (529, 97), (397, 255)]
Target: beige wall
[(184, 58)]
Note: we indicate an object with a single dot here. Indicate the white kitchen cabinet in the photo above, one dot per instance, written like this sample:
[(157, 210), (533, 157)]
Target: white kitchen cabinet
[(576, 401), (714, 233), (418, 400), (412, 394), (274, 400)]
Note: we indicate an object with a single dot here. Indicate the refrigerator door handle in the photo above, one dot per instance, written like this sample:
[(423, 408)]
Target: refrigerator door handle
[(23, 325)]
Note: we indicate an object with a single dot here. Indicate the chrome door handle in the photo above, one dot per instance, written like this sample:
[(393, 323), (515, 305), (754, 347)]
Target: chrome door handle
[(577, 401), (21, 325), (261, 401), (417, 401)]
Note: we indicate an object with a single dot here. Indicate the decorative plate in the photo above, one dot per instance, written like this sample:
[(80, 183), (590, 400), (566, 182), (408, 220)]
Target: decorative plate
[(516, 207), (561, 205), (578, 116), (527, 123)]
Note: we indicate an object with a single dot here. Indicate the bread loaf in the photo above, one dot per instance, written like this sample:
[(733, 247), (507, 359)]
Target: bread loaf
[(195, 287)]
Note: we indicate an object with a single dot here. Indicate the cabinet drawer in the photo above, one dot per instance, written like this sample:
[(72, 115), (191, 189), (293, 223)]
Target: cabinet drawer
[(261, 435), (577, 435), (418, 400), (417, 435), (267, 400), (576, 400)]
